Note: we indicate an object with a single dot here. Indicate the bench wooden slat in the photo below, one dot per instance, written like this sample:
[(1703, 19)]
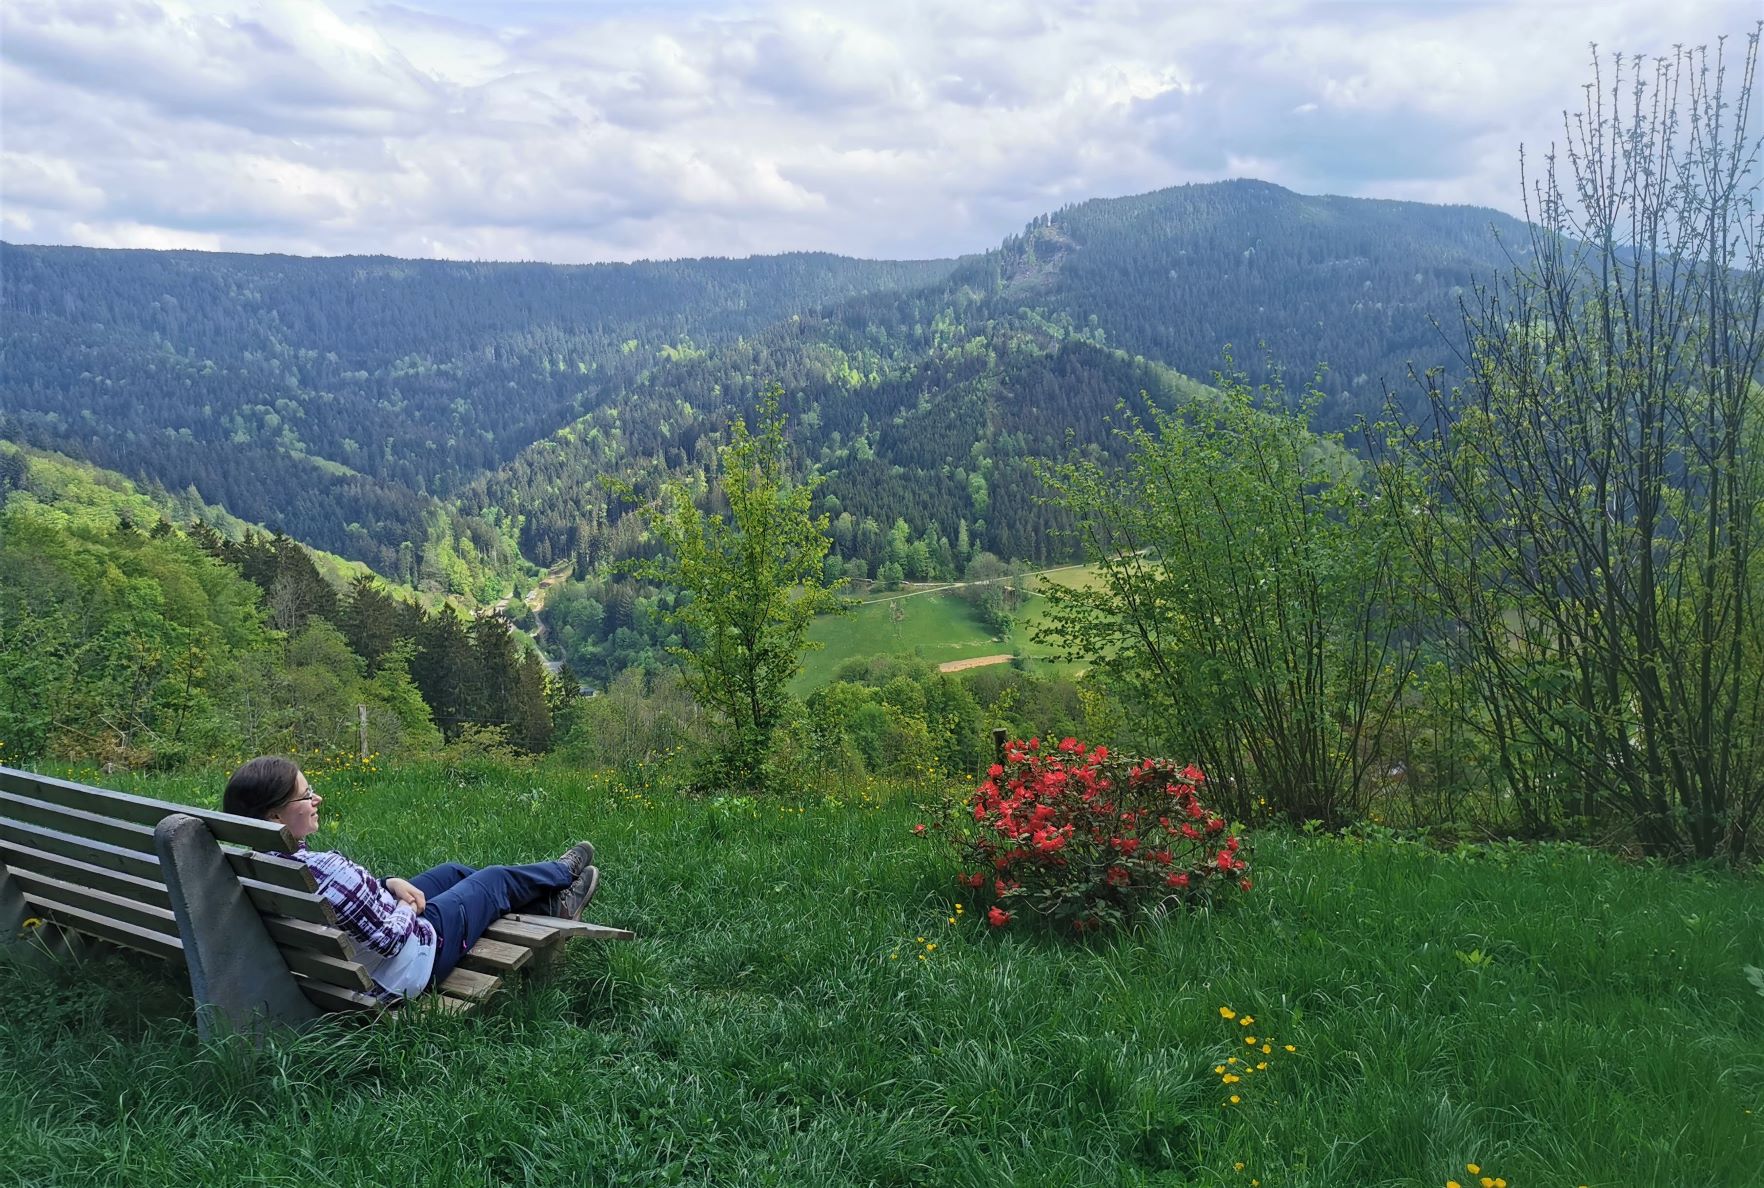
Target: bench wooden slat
[(453, 1006), (564, 927), (124, 835), (38, 837), (335, 998), (141, 810), (469, 984), (333, 971), (41, 888), (156, 943), (496, 957), (127, 847), (281, 902), (17, 857), (514, 932), (312, 937)]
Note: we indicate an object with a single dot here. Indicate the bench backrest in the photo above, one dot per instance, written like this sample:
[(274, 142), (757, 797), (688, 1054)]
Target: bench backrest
[(85, 859)]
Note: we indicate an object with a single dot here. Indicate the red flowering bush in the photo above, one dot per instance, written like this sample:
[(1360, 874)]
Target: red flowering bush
[(1088, 840)]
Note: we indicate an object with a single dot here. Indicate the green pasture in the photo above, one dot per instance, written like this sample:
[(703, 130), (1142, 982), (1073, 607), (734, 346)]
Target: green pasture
[(800, 1009), (935, 625)]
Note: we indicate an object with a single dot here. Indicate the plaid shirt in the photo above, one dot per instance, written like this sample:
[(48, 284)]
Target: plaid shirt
[(365, 909)]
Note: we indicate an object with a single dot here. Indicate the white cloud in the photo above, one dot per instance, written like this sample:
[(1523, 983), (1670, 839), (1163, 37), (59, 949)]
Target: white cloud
[(581, 131)]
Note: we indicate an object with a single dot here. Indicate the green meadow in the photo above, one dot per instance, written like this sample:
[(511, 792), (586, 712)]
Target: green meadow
[(811, 1001), (933, 624)]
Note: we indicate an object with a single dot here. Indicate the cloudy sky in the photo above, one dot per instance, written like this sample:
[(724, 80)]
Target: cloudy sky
[(580, 130)]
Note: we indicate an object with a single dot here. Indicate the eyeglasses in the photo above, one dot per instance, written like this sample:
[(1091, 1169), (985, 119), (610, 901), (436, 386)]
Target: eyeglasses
[(310, 795)]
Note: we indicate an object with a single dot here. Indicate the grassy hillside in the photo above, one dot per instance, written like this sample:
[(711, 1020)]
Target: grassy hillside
[(87, 494), (933, 624), (1552, 1015)]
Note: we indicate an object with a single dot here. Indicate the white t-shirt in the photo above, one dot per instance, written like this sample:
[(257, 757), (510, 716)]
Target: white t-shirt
[(407, 971)]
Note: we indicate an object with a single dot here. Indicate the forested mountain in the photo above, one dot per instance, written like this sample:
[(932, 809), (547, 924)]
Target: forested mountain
[(923, 408), (339, 399), (400, 411)]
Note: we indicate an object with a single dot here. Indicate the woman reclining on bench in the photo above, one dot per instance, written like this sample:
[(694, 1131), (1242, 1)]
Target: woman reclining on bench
[(412, 931)]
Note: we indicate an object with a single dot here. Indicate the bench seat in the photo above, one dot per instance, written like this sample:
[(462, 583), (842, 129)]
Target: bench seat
[(202, 888)]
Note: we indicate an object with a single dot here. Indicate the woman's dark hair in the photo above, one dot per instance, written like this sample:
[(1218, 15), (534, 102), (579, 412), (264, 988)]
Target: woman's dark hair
[(261, 786)]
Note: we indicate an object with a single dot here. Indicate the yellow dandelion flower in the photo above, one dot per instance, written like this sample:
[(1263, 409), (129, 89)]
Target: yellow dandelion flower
[(1473, 1169), (1249, 1039), (1231, 1078), (1500, 1183), (1290, 1048), (1238, 1166), (1218, 1068), (1453, 1184), (1487, 1182), (1235, 1099), (1246, 1020), (1227, 1013), (1266, 1049), (1231, 1060), (1261, 1065), (931, 948)]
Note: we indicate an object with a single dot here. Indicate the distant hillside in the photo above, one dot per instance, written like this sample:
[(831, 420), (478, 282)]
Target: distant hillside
[(412, 414), (927, 406), (338, 399)]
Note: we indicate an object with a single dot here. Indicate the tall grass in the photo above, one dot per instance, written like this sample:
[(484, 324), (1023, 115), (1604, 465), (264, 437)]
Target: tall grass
[(1550, 1014)]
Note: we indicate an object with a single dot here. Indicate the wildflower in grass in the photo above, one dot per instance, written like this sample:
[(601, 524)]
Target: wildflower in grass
[(997, 917), (1227, 1013), (1238, 1166), (1267, 1049), (1218, 1068), (1261, 1066), (1235, 1099), (1230, 1078), (1290, 1048), (31, 922), (1453, 1184), (1246, 1020), (1473, 1169)]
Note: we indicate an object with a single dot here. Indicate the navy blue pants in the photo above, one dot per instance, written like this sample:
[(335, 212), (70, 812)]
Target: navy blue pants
[(463, 902)]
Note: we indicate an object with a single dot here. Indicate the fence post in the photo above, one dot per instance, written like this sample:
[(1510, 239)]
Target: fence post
[(362, 710)]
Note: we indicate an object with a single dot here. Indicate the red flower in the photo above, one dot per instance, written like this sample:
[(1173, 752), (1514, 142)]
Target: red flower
[(1117, 876), (1193, 775), (1223, 861), (920, 829), (995, 771), (998, 918), (1100, 754), (1214, 824), (1179, 879), (1246, 884), (1161, 857)]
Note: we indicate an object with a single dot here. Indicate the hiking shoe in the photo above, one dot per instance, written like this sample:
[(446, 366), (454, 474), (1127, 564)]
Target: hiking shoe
[(578, 857), (570, 901)]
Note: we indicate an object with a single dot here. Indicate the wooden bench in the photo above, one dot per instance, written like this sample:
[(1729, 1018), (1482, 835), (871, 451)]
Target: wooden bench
[(196, 886)]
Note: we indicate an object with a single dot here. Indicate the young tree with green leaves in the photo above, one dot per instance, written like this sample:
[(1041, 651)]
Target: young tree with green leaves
[(754, 580), (1252, 613)]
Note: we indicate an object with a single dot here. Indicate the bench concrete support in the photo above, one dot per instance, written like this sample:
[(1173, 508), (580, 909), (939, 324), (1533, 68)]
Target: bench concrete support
[(13, 912), (238, 976)]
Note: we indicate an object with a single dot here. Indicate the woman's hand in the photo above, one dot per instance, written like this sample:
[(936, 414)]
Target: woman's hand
[(405, 892)]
